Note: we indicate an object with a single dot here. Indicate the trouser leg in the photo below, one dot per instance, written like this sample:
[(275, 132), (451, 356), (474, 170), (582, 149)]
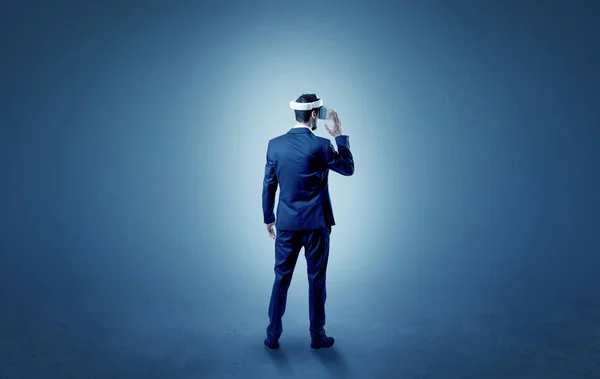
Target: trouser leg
[(316, 245), (287, 248)]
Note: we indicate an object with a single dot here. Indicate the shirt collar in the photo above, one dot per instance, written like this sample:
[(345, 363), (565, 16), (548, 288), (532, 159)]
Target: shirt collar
[(303, 126)]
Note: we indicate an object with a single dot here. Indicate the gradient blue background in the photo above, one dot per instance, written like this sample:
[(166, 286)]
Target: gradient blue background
[(132, 149)]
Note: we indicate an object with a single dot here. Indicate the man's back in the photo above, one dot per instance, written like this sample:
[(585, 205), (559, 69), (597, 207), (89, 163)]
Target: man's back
[(299, 162)]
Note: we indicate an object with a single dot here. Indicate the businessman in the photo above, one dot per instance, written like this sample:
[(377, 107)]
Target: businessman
[(299, 163)]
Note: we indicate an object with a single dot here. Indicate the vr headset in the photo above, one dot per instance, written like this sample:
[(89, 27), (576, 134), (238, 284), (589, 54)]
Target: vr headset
[(324, 112)]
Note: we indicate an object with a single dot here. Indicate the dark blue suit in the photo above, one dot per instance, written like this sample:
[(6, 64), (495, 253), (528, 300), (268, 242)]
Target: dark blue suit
[(299, 163)]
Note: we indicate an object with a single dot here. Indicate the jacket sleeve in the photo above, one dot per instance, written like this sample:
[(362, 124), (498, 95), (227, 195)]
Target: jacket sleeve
[(341, 161), (270, 184)]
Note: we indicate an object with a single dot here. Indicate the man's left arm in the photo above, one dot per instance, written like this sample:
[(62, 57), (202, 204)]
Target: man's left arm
[(270, 184)]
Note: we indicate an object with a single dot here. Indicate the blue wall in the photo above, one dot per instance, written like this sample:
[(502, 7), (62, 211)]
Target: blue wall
[(133, 139)]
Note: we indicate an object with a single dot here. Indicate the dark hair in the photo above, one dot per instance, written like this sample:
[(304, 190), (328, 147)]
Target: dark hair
[(304, 116)]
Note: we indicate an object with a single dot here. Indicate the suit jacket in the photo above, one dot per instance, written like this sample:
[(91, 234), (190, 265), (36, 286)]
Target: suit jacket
[(299, 163)]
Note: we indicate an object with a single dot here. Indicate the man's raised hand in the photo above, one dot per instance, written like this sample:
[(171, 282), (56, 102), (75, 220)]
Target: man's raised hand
[(336, 129)]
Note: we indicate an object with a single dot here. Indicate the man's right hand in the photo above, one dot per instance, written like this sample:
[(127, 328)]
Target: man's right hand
[(336, 129)]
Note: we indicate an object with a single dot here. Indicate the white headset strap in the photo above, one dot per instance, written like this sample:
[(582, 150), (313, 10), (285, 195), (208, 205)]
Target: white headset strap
[(306, 106)]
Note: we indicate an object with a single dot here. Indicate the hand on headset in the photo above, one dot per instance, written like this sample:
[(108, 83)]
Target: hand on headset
[(336, 129)]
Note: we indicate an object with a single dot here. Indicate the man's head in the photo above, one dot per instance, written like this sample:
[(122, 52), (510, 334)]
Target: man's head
[(307, 117)]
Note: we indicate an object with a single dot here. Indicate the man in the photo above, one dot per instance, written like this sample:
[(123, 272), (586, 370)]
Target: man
[(299, 162)]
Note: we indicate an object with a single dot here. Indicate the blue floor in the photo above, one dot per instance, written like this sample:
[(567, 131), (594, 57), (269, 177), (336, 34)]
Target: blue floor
[(403, 338)]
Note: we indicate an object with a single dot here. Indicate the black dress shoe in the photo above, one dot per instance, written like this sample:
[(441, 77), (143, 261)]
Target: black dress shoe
[(323, 342), (271, 344)]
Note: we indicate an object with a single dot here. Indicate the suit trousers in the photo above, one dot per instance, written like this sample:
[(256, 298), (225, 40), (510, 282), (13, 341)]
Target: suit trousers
[(288, 244)]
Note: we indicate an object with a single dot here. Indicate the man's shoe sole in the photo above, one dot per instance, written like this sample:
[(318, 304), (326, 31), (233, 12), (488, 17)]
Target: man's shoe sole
[(271, 345), (322, 346)]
